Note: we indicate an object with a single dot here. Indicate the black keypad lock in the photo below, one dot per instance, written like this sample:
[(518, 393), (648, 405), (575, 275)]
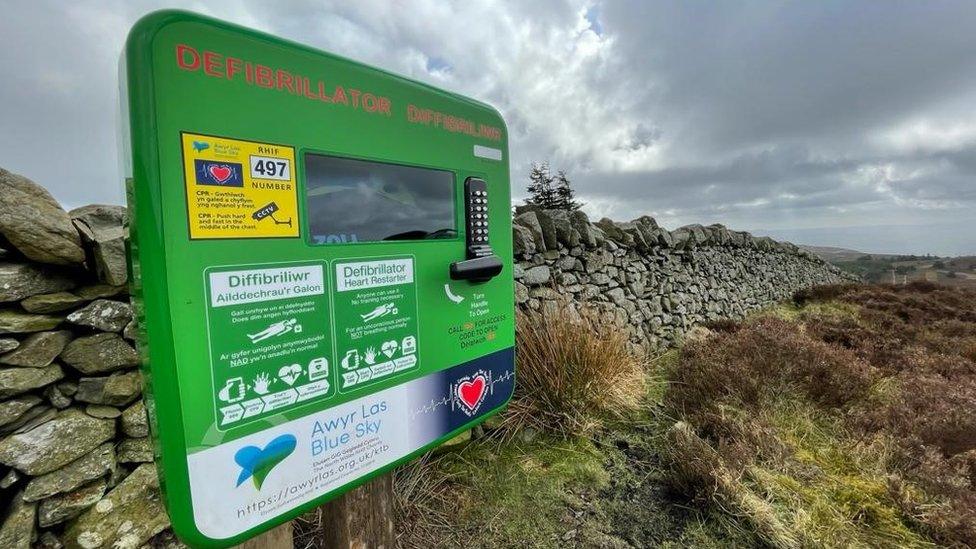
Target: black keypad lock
[(481, 263)]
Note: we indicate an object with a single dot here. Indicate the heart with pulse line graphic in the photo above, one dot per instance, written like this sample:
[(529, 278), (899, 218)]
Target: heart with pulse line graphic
[(220, 172), (472, 391)]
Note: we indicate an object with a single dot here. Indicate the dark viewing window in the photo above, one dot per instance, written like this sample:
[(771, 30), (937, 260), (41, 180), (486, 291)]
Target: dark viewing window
[(361, 201)]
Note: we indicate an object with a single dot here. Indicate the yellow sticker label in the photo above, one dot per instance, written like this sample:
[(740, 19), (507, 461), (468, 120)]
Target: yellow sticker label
[(239, 189)]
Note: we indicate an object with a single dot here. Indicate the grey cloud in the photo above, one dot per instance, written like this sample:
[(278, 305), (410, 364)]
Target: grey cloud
[(828, 117), (754, 71)]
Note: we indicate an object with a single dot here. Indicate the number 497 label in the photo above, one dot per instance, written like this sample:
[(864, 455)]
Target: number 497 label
[(265, 167)]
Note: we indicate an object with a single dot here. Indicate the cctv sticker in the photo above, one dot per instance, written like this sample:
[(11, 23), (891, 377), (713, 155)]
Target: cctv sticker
[(239, 189)]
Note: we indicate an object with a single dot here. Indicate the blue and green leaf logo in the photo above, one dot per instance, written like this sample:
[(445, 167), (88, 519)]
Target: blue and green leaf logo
[(257, 463)]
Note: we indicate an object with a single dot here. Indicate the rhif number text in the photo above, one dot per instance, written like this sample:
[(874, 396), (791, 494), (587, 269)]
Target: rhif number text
[(263, 167)]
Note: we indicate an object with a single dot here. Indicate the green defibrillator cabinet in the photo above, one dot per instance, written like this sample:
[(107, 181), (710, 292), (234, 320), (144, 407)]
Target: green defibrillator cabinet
[(321, 261)]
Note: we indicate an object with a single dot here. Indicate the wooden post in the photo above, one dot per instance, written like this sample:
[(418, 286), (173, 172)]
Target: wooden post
[(276, 538), (362, 518)]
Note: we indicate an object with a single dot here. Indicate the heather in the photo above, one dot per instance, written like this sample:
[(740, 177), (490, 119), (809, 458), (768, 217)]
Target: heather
[(844, 417)]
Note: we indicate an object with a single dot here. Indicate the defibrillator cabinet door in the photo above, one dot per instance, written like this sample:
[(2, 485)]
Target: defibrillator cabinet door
[(322, 267)]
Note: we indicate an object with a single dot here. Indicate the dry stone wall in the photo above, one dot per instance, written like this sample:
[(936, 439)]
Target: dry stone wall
[(654, 283), (75, 454)]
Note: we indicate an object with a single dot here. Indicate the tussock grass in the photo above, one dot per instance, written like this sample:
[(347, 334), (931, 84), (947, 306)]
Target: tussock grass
[(574, 369)]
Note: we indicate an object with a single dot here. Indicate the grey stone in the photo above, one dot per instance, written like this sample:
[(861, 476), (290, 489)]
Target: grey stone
[(14, 381), (102, 230), (16, 322), (521, 293), (548, 229), (135, 450), (664, 238), (602, 279), (166, 540), (523, 242), (51, 303), (103, 314), (11, 410), (590, 291), (100, 353), (131, 330), (530, 221), (95, 464), (47, 540), (616, 295), (57, 399), (102, 411), (596, 260), (134, 422), (21, 280), (537, 275), (17, 530), (117, 389), (636, 234), (581, 224), (568, 279), (720, 235), (544, 293), (563, 228), (34, 223), (126, 518), (98, 291), (518, 270), (8, 344), (765, 243), (38, 350), (681, 239), (696, 234), (62, 507), (12, 477), (647, 225), (68, 388), (30, 419), (613, 231), (565, 263), (55, 443), (574, 239)]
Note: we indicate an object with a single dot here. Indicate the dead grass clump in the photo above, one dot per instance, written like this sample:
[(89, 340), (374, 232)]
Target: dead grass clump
[(573, 370), (423, 495)]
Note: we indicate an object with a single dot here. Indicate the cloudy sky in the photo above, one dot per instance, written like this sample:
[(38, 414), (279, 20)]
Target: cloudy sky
[(831, 123)]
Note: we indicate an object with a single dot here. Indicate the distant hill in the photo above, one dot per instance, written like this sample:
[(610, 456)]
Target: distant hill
[(900, 269), (833, 254)]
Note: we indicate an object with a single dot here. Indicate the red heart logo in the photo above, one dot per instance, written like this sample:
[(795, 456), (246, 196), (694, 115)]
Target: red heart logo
[(471, 392), (220, 173)]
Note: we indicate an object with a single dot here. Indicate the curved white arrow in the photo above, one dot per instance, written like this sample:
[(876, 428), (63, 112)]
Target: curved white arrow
[(451, 295)]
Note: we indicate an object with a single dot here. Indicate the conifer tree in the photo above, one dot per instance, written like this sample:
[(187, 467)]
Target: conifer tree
[(541, 190), (565, 196)]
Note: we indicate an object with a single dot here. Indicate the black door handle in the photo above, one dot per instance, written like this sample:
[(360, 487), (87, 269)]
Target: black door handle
[(479, 269)]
